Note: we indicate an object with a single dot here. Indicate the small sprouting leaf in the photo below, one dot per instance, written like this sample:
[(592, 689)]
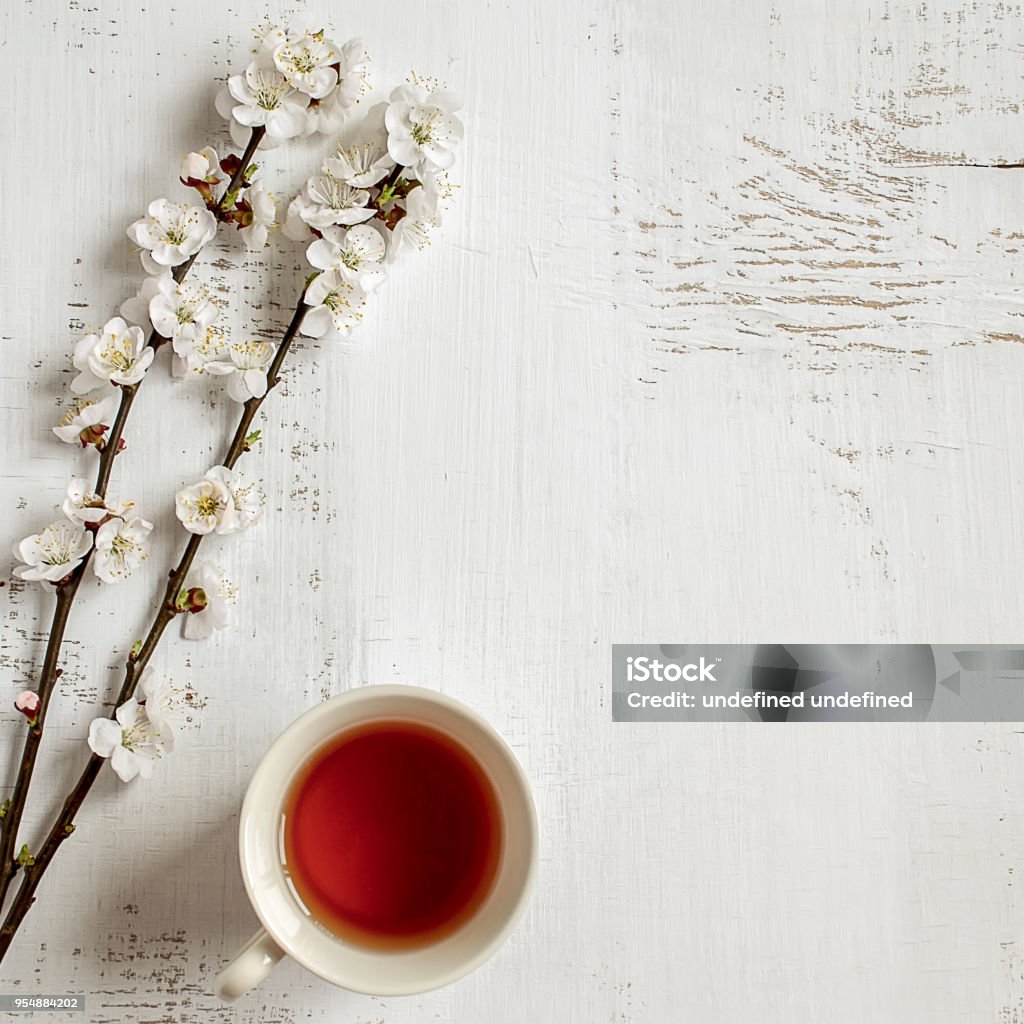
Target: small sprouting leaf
[(134, 652), (252, 438), (25, 859), (4, 808)]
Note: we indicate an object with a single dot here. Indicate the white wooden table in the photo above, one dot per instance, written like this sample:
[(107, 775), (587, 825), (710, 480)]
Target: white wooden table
[(721, 343)]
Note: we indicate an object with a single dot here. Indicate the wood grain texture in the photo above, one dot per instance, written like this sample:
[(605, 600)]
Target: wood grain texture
[(720, 342)]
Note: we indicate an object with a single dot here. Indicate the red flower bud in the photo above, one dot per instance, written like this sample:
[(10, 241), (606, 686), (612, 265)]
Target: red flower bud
[(28, 703), (230, 164)]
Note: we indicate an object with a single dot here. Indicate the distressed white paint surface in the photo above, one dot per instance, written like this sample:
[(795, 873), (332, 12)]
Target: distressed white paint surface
[(719, 343)]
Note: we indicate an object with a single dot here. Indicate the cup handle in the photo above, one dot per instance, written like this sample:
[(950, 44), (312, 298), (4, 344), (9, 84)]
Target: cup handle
[(250, 965)]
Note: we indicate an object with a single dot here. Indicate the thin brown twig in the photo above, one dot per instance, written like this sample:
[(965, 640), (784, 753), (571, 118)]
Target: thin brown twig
[(67, 588), (64, 824)]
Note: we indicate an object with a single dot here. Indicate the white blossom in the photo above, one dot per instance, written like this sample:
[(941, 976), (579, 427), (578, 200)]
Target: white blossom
[(414, 228), (50, 555), (181, 312), (122, 545), (263, 97), (423, 130), (246, 369), (295, 225), (88, 419), (224, 501), (264, 212), (433, 183), (247, 499), (119, 355), (305, 58), (353, 73), (201, 507), (83, 506), (211, 345), (221, 595), (327, 116), (161, 704), (357, 253), (301, 23), (136, 310), (203, 166), (132, 742), (171, 233), (366, 162), (336, 306), (360, 165), (335, 202), (324, 201)]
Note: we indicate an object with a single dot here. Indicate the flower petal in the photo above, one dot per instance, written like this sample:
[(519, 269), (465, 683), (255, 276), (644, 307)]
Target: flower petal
[(256, 382), (317, 322), (198, 626), (104, 736), (128, 765), (322, 254)]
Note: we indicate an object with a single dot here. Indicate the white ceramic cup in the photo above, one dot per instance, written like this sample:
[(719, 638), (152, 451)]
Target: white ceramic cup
[(287, 928)]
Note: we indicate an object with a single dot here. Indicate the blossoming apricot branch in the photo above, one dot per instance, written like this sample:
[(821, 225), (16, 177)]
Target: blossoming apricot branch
[(113, 362), (373, 198)]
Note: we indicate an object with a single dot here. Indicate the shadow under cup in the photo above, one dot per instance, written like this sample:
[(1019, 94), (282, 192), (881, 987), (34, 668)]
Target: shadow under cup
[(468, 891)]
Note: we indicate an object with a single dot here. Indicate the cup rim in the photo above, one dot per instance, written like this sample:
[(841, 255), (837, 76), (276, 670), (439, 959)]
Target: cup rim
[(355, 697)]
